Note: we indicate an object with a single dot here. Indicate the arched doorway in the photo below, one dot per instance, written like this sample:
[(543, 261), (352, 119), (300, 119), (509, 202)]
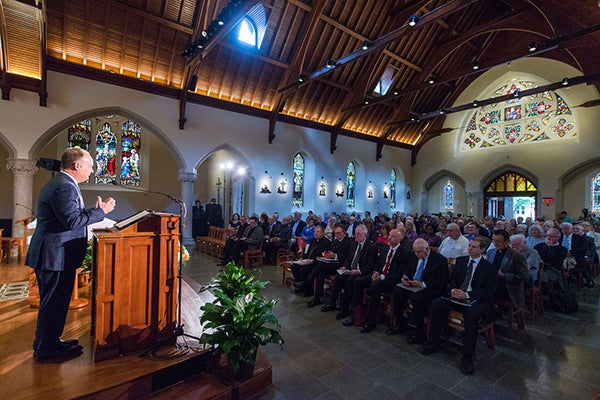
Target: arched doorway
[(510, 195)]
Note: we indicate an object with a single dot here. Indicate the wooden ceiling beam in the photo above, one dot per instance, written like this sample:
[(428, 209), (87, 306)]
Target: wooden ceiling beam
[(425, 20), (148, 16)]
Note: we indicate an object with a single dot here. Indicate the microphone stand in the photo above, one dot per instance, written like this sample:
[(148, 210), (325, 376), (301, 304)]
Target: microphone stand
[(179, 331)]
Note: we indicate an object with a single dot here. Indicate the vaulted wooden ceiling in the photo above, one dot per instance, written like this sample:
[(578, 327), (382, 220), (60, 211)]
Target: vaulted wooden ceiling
[(139, 44)]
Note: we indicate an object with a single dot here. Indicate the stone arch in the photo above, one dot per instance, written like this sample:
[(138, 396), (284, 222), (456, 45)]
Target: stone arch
[(54, 130), (429, 182), (497, 172), (581, 169)]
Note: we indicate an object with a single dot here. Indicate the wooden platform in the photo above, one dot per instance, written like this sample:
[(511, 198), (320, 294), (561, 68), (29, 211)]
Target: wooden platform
[(128, 377)]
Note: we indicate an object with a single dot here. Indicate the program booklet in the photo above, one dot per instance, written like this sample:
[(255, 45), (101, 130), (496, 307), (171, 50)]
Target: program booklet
[(133, 219), (462, 302)]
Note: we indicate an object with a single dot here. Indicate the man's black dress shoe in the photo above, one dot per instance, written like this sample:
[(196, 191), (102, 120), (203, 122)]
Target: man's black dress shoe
[(328, 307), (396, 330), (348, 322), (367, 328), (416, 339), (61, 354), (313, 302), (341, 315), (466, 366), (69, 342), (429, 348)]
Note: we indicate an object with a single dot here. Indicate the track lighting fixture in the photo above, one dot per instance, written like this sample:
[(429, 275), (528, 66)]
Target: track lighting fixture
[(330, 64), (365, 45), (475, 103), (565, 82), (300, 79), (431, 80), (475, 65), (413, 20), (533, 46), (395, 92), (516, 94)]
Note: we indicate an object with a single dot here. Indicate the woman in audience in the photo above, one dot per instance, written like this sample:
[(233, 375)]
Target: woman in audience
[(331, 221), (308, 232), (382, 237), (536, 235), (235, 221), (411, 232), (431, 237)]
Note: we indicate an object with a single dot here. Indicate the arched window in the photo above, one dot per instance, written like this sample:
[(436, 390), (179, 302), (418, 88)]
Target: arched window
[(448, 196), (253, 27), (539, 117), (350, 181), (393, 189), (298, 174), (510, 195), (108, 145), (595, 206)]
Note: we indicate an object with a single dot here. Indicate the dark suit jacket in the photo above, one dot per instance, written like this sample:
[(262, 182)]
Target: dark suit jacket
[(298, 231), (484, 279), (435, 275), (60, 237), (367, 259), (255, 238), (317, 247), (515, 272), (342, 249), (399, 264)]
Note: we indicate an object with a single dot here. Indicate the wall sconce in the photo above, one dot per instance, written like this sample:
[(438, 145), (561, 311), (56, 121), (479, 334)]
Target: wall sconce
[(370, 190), (322, 187), (548, 201), (339, 191), (282, 184), (407, 192), (385, 190)]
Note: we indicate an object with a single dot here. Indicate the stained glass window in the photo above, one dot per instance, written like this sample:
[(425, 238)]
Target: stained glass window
[(253, 27), (595, 206), (448, 196), (80, 134), (130, 153), (106, 155), (539, 117), (106, 147), (298, 174), (350, 181), (393, 189)]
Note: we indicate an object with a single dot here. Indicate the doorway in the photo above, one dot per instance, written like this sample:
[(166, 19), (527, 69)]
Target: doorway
[(510, 195)]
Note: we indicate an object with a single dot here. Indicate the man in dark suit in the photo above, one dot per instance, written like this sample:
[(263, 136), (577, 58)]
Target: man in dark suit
[(553, 255), (578, 249), (301, 270), (251, 239), (214, 213), (231, 242), (336, 256), (512, 269), (428, 275), (58, 248), (279, 239), (474, 280), (391, 265)]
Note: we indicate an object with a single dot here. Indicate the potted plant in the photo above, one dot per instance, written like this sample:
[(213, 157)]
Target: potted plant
[(239, 319)]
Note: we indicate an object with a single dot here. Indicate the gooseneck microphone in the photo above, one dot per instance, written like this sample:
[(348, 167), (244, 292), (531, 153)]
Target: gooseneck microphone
[(24, 206), (170, 197)]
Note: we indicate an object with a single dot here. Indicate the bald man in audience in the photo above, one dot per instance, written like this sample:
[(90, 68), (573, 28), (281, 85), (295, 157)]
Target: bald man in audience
[(454, 245)]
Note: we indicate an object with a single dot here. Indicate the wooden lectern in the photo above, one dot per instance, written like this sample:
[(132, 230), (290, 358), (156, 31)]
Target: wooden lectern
[(134, 292)]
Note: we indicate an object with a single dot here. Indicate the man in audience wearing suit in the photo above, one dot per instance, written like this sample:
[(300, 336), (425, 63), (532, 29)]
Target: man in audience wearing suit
[(251, 239), (230, 243), (512, 269), (336, 256), (360, 262), (318, 246), (214, 213), (279, 239), (474, 282), (391, 264), (425, 280)]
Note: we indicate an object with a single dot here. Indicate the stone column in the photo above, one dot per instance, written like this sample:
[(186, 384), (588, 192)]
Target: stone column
[(188, 179), (23, 171)]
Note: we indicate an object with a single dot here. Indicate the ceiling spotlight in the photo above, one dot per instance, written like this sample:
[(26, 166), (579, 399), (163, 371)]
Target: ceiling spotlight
[(414, 119), (200, 46), (220, 22), (441, 111), (366, 102), (204, 34), (475, 65), (330, 64), (431, 80), (413, 20), (475, 103), (301, 79), (516, 93), (365, 45), (395, 92), (533, 46), (565, 82)]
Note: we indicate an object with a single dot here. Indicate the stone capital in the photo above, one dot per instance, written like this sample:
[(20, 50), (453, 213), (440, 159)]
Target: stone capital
[(21, 166), (188, 177)]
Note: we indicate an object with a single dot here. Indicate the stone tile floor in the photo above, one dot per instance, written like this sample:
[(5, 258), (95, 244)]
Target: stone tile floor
[(556, 357)]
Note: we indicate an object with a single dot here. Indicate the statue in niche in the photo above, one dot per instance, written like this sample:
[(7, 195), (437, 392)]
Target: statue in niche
[(281, 187), (265, 189), (322, 190)]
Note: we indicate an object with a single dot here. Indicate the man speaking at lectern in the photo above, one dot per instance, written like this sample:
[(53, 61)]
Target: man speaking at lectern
[(58, 248)]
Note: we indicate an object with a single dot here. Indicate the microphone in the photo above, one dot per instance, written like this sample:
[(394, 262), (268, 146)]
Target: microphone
[(172, 198), (24, 206)]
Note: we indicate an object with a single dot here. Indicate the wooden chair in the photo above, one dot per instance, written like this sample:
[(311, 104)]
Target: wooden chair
[(575, 274), (253, 256), (534, 299), (456, 321), (283, 258), (386, 307), (506, 306)]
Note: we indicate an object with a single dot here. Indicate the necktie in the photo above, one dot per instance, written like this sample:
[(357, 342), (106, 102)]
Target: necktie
[(386, 267), (468, 276), (419, 272), (567, 242), (356, 256)]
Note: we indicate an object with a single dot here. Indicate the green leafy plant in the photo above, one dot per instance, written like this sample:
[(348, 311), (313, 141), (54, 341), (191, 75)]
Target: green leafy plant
[(240, 318)]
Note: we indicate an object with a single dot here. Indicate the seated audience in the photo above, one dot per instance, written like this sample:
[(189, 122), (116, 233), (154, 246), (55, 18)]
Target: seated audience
[(455, 245), (536, 235), (430, 236), (532, 258), (553, 255), (319, 245)]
